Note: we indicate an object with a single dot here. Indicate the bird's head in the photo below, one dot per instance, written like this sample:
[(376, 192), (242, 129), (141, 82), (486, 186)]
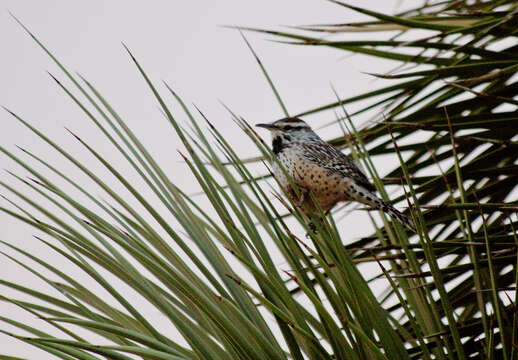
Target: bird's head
[(288, 128), (286, 131)]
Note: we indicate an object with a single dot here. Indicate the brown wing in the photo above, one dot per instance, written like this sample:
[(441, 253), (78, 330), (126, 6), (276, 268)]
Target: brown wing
[(335, 161)]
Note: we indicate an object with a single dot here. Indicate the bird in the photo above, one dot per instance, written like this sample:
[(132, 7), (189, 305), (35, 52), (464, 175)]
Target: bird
[(318, 168)]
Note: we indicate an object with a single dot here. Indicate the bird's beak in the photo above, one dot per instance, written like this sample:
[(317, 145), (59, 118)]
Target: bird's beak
[(267, 126)]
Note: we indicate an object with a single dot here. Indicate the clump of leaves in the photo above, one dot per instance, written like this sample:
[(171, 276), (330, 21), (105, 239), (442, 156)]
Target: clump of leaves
[(454, 86)]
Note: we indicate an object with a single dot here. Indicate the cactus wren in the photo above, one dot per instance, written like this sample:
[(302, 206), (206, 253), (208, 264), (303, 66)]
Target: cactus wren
[(317, 167)]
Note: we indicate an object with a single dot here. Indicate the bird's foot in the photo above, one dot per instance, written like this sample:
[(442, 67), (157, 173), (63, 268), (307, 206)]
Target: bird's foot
[(312, 229)]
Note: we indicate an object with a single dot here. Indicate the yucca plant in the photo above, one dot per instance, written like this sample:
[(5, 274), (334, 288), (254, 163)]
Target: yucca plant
[(210, 270)]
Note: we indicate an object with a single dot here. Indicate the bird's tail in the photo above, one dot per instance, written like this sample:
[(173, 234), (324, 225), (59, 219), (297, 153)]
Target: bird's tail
[(360, 194), (398, 216)]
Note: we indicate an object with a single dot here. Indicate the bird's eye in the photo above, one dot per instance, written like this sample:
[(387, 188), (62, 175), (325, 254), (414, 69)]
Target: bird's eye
[(288, 127)]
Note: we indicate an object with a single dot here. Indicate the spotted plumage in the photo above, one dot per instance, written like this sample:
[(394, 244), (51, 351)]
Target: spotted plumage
[(317, 167)]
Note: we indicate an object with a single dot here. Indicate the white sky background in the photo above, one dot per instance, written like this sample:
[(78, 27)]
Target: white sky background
[(181, 43)]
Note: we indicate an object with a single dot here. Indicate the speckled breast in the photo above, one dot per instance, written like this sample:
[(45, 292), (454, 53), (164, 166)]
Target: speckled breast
[(327, 187)]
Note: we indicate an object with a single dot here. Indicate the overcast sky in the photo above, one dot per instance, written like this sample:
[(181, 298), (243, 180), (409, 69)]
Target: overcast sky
[(180, 42)]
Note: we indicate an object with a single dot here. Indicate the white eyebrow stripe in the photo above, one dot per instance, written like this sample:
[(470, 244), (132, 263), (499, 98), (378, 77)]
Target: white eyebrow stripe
[(294, 124)]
